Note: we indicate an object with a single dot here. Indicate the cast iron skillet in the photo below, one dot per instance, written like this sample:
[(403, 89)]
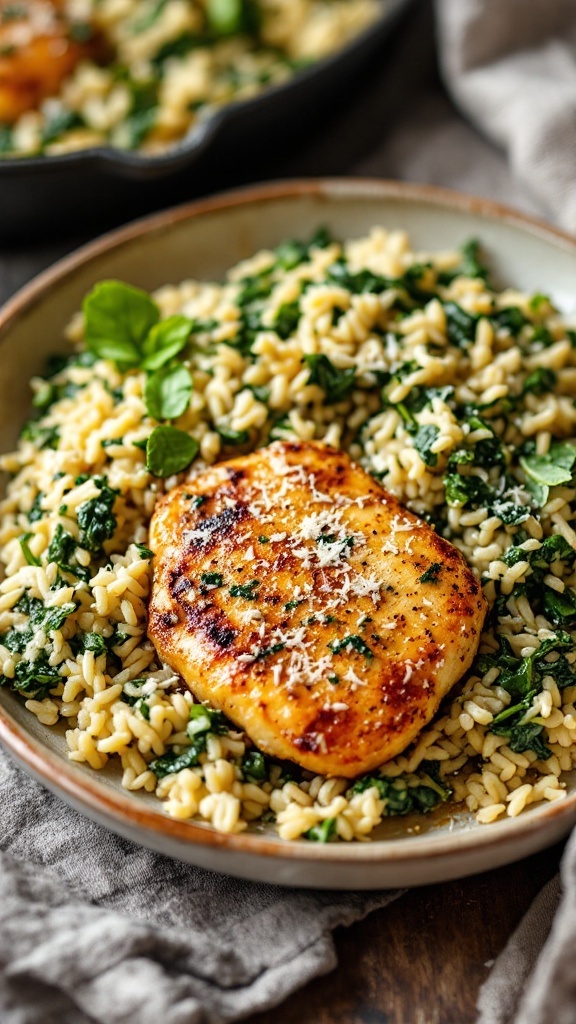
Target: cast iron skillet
[(42, 195)]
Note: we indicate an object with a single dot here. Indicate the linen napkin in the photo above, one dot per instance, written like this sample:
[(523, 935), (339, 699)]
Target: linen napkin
[(533, 980), (96, 930), (510, 66)]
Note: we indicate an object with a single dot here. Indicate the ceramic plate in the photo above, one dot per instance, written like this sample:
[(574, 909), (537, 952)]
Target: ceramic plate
[(203, 240)]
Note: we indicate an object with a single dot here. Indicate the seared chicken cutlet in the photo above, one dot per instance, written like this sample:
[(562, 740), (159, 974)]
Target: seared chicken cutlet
[(294, 594), (39, 48)]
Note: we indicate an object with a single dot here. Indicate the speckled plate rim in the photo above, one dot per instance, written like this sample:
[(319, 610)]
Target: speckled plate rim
[(123, 813)]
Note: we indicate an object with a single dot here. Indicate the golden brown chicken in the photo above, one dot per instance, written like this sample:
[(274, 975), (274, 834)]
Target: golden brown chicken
[(294, 594), (37, 51)]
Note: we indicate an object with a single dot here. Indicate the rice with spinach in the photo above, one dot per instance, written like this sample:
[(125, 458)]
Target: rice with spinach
[(457, 396), (140, 74)]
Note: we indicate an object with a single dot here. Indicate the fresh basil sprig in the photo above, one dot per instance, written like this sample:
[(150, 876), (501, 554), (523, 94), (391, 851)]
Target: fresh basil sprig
[(165, 340), (169, 451), (123, 324), (117, 319), (167, 392)]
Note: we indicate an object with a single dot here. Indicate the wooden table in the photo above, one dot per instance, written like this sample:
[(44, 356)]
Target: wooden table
[(422, 959)]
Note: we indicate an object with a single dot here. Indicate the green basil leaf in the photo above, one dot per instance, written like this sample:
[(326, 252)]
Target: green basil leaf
[(552, 469), (117, 319), (169, 451), (165, 340), (167, 392)]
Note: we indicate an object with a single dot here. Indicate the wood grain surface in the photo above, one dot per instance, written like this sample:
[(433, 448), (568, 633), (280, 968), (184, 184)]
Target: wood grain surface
[(422, 959)]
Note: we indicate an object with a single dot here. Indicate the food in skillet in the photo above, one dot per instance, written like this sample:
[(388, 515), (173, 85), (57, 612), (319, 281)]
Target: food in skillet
[(310, 607), (454, 396), (139, 74), (39, 48)]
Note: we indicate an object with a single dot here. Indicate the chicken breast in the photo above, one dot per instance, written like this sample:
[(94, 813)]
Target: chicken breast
[(37, 52), (294, 594)]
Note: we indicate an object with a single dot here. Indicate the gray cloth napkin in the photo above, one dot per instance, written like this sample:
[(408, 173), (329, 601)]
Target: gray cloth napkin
[(510, 66), (533, 980), (96, 929)]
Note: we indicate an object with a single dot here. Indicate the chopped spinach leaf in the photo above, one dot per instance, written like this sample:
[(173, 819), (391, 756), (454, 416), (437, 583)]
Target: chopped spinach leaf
[(469, 491), (94, 642), (286, 319), (322, 832), (407, 794), (336, 384), (291, 253), (540, 381), (460, 325), (471, 264), (560, 608), (61, 546), (30, 558), (267, 651), (180, 47), (432, 573), (510, 319), (509, 512), (522, 676), (172, 762), (204, 720), (246, 590), (35, 679), (354, 642), (36, 511), (358, 283), (523, 737), (143, 551), (60, 122), (56, 615), (423, 442), (233, 437), (212, 579), (255, 766), (96, 520), (43, 437), (229, 17)]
